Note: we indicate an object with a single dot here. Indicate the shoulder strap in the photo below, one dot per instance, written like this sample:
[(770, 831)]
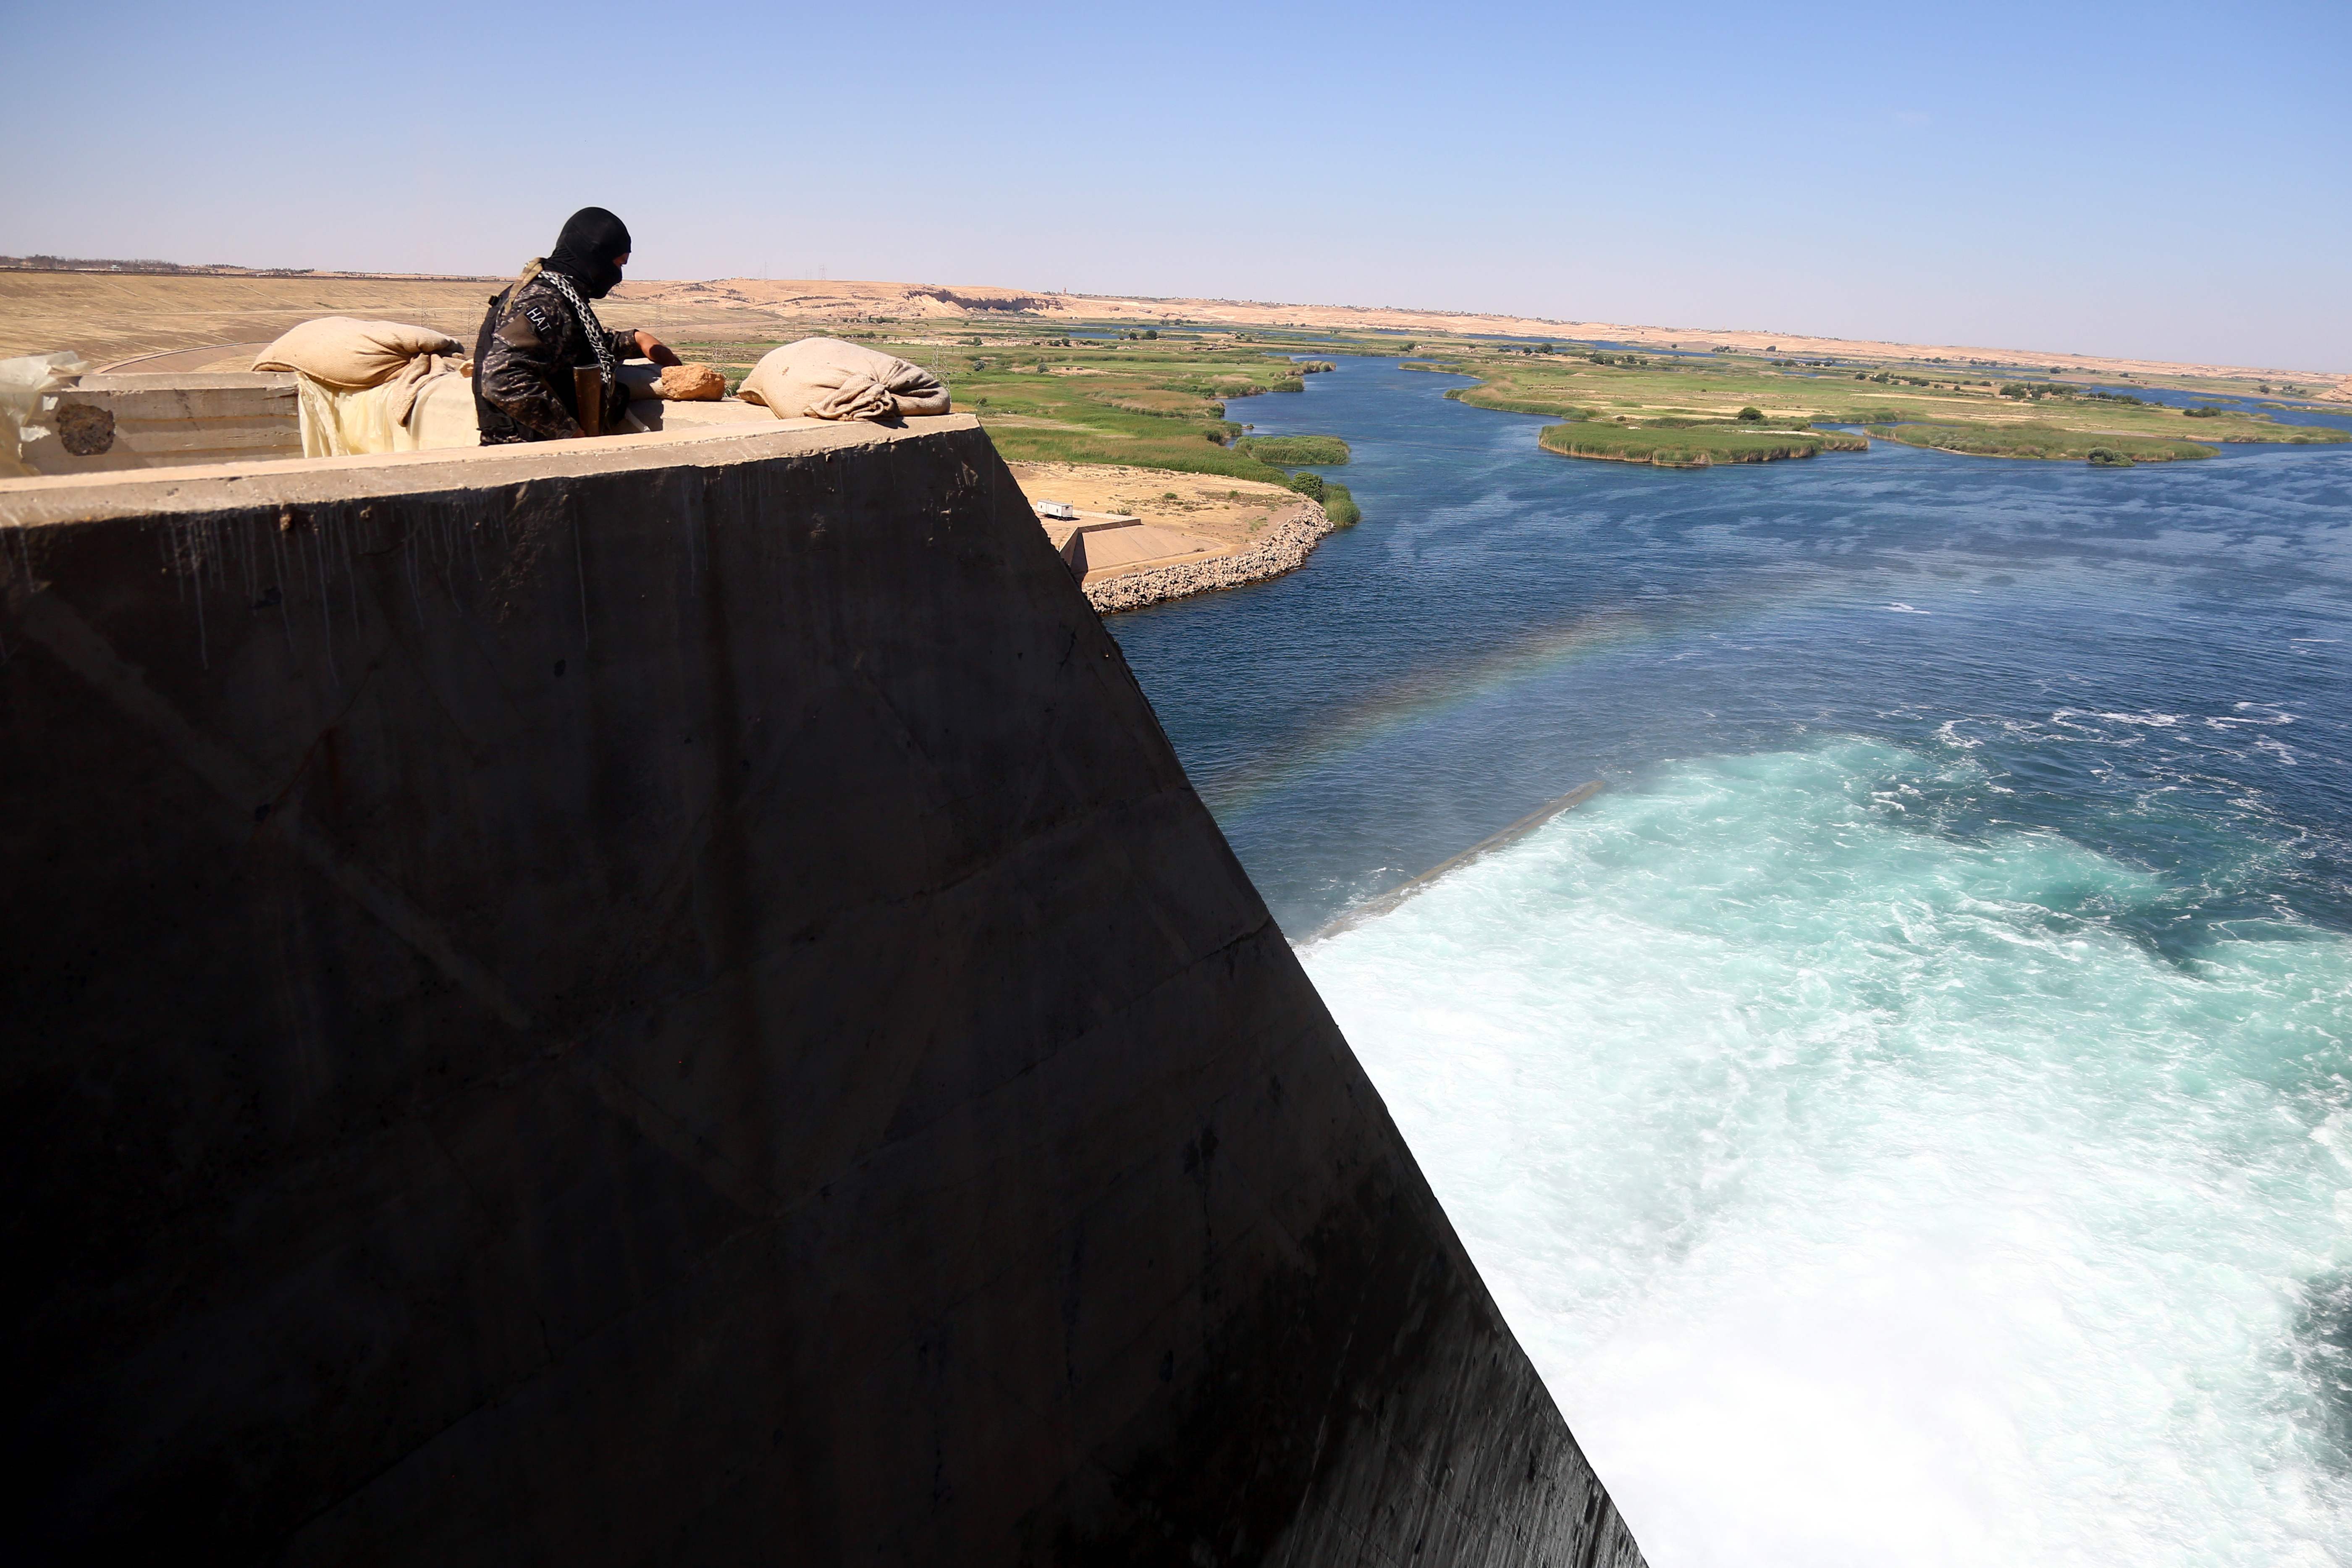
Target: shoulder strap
[(490, 324)]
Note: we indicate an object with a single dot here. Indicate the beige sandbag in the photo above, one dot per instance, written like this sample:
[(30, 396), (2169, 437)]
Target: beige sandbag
[(824, 378), (346, 352)]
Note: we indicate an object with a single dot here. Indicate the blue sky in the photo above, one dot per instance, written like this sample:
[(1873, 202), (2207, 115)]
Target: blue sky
[(2135, 179)]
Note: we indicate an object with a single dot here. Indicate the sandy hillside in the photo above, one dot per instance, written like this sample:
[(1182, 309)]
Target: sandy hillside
[(114, 316), (109, 317)]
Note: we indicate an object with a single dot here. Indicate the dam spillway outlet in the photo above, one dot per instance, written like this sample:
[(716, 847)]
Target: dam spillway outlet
[(666, 999)]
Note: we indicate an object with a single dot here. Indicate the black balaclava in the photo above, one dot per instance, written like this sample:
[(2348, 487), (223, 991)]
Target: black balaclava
[(583, 252)]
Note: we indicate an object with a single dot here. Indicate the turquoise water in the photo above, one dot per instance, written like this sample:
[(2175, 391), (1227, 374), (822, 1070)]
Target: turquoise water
[(1908, 1117)]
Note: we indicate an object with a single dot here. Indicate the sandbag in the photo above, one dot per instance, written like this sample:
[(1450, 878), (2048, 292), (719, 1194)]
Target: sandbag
[(347, 353), (824, 378)]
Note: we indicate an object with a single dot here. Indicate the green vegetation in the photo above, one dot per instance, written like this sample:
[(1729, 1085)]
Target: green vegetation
[(1718, 387), (2036, 390), (1150, 399), (1340, 506), (1156, 398), (1295, 451), (2101, 458), (1685, 447), (2043, 441)]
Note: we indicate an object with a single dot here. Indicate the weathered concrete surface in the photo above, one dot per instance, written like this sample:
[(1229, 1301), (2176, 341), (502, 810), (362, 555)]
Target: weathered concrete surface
[(668, 1002), (107, 423)]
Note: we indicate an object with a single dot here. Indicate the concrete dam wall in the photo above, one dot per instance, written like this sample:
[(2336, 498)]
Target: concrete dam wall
[(664, 1001)]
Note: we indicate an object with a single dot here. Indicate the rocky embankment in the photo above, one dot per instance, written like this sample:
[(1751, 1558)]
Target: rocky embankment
[(1289, 539)]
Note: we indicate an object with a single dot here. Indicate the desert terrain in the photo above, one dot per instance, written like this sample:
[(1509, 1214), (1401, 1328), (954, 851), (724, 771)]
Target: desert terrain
[(111, 317)]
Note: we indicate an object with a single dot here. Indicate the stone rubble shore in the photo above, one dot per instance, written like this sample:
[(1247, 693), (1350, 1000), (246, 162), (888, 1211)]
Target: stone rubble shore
[(1289, 539)]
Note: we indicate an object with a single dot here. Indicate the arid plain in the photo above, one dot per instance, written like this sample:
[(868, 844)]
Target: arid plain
[(110, 317)]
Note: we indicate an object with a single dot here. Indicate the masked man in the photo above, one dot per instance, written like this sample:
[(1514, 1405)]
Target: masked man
[(544, 325)]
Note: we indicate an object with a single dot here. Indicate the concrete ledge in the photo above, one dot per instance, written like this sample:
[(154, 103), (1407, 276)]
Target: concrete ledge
[(666, 1000), (63, 498)]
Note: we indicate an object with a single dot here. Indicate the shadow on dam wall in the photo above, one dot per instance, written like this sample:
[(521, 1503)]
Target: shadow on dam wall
[(658, 1001)]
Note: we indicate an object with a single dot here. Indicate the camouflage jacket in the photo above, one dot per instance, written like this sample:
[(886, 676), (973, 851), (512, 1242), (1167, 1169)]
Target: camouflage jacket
[(523, 360)]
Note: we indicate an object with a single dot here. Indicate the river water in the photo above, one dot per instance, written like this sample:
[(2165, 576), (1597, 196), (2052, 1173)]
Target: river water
[(1907, 1117)]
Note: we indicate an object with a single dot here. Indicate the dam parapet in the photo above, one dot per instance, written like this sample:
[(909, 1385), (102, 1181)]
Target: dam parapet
[(666, 999)]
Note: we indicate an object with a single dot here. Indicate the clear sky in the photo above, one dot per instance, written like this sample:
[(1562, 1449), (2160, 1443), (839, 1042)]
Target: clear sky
[(2144, 178)]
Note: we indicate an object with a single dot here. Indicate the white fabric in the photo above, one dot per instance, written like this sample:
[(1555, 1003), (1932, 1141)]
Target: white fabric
[(29, 389), (396, 416), (445, 415)]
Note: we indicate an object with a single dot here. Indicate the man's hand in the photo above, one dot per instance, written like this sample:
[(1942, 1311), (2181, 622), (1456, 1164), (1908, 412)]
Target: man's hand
[(654, 348)]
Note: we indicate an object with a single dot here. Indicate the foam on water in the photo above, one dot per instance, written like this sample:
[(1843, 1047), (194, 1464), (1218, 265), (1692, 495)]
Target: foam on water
[(1877, 1192)]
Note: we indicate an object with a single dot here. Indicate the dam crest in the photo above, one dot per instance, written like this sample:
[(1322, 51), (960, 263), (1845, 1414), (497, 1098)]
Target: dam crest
[(666, 999)]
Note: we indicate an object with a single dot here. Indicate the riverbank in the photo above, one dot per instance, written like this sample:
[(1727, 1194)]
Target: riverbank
[(1216, 532), (1283, 546)]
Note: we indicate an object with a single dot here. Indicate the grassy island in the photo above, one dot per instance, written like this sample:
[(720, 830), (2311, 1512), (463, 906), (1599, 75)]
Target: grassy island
[(2047, 442), (1295, 451), (1651, 393), (1689, 446)]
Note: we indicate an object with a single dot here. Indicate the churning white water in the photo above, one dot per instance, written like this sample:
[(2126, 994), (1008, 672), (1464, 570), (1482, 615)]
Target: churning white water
[(1874, 1193), (1908, 1118)]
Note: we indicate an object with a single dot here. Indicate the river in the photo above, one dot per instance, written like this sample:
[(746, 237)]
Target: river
[(1907, 1116)]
